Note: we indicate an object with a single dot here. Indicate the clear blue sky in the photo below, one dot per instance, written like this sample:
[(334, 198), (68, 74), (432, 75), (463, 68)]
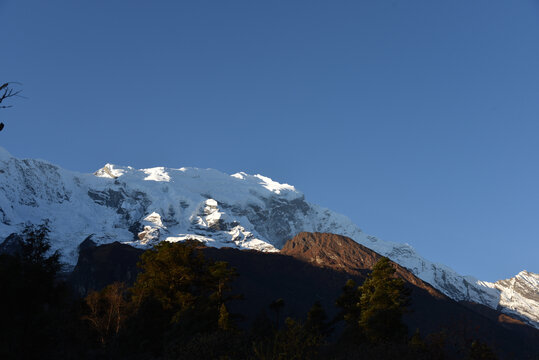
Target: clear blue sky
[(417, 119)]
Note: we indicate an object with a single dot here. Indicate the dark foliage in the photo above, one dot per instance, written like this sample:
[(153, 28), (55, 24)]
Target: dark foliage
[(106, 312), (32, 301), (182, 297), (180, 307), (480, 351), (382, 302)]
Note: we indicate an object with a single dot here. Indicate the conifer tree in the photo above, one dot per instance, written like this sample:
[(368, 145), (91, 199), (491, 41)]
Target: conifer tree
[(317, 321), (179, 301), (174, 275), (373, 311), (293, 341), (32, 298), (480, 351), (224, 318), (383, 301), (348, 301), (416, 344), (277, 306)]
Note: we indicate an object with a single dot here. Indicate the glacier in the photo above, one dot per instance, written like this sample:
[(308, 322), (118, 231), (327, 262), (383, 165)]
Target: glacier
[(141, 207)]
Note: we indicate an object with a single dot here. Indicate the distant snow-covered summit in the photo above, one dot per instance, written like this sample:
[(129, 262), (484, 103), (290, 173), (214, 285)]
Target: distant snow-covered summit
[(145, 206)]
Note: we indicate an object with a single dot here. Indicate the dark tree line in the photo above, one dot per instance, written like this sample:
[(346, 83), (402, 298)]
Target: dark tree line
[(178, 308), (32, 300)]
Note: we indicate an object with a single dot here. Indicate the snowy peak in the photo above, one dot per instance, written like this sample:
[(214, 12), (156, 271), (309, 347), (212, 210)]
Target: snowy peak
[(529, 278), (109, 171), (241, 181), (266, 182), (519, 296)]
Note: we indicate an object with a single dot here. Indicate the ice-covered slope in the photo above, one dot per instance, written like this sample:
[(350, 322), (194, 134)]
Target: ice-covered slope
[(144, 206), (520, 295)]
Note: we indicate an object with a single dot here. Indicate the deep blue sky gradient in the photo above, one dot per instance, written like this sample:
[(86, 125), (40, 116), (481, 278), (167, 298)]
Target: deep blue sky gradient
[(417, 119)]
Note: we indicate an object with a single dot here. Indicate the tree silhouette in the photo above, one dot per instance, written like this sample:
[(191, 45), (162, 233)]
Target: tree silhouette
[(7, 91), (180, 302), (317, 322), (383, 301), (182, 280), (107, 311), (276, 306), (349, 304), (480, 351), (33, 299), (294, 341), (373, 311), (224, 318)]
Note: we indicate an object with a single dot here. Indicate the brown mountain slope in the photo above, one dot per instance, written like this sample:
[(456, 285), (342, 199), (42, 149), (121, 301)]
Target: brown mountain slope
[(344, 254)]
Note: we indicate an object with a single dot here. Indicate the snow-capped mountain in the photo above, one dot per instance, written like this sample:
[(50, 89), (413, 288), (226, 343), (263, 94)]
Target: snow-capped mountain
[(144, 206), (520, 295)]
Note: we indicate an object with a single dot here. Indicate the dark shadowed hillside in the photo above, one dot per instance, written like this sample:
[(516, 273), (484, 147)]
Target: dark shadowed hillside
[(99, 266), (314, 267)]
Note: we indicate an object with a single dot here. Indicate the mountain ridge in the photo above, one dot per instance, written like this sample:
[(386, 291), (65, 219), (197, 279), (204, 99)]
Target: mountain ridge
[(143, 206)]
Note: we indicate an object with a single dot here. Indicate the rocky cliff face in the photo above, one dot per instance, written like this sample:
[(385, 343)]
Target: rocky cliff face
[(143, 206)]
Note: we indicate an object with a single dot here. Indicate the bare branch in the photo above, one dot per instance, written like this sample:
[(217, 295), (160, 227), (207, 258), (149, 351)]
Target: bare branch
[(6, 92)]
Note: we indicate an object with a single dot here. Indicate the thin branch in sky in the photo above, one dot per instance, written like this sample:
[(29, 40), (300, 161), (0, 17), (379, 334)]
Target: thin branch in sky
[(7, 91)]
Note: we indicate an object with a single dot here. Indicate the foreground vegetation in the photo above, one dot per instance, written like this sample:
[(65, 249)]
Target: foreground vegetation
[(178, 308)]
